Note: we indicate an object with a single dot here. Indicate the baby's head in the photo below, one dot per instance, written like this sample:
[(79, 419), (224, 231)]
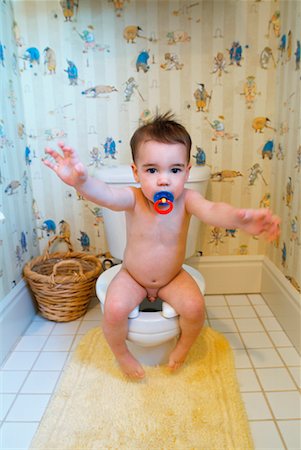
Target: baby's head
[(162, 129)]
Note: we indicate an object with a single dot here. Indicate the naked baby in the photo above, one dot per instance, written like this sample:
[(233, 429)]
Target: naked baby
[(155, 249)]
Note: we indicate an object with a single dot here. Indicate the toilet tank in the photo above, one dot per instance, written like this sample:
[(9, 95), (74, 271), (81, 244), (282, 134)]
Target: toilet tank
[(114, 221)]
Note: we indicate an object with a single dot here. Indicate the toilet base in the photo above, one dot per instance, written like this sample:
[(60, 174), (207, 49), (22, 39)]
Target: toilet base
[(152, 356)]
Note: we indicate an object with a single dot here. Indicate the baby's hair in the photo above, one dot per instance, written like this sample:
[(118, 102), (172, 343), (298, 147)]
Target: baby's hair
[(163, 128)]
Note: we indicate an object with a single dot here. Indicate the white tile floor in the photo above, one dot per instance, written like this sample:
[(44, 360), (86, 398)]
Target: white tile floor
[(268, 370)]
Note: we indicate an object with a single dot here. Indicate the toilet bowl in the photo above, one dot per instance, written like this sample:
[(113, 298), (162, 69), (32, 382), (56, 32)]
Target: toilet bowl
[(152, 325), (152, 334)]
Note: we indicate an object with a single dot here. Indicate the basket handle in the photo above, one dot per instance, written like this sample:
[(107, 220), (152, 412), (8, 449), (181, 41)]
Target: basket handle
[(62, 237), (67, 262)]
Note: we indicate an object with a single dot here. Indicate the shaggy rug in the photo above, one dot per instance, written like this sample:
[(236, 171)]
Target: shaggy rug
[(96, 407)]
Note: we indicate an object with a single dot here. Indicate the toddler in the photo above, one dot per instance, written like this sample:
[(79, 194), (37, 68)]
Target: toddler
[(155, 249)]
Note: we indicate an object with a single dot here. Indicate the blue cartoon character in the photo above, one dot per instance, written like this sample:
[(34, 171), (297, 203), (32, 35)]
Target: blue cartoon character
[(49, 226), (23, 242), (84, 241), (200, 156), (110, 148), (268, 149), (2, 47), (27, 156), (235, 53), (32, 55), (72, 73), (297, 55), (142, 61)]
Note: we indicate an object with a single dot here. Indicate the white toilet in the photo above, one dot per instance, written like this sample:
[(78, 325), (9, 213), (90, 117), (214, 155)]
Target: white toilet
[(153, 327)]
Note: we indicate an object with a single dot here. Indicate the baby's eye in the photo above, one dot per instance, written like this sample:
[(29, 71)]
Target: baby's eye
[(175, 170), (151, 170)]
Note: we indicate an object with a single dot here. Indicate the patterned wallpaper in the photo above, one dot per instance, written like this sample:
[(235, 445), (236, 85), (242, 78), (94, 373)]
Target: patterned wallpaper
[(89, 72)]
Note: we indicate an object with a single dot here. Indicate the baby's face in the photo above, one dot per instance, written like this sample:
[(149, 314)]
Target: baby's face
[(161, 167)]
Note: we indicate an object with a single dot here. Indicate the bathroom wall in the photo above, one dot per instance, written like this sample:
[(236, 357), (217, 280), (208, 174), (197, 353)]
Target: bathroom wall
[(18, 233), (77, 62)]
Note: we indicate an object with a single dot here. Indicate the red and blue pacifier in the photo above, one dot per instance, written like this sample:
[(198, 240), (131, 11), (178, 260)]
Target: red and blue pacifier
[(162, 199)]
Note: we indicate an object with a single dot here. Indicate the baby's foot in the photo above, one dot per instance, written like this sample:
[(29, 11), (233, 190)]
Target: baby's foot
[(131, 367), (177, 358)]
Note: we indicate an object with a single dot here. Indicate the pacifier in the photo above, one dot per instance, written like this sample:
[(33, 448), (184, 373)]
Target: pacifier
[(163, 198)]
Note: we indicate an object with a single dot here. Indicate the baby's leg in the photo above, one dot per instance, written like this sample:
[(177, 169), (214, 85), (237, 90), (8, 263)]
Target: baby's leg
[(123, 295), (184, 295)]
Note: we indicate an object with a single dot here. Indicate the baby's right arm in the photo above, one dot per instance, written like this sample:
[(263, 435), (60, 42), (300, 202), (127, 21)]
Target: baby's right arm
[(71, 170)]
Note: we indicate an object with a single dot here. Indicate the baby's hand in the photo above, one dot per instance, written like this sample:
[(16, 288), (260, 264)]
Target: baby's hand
[(260, 222), (68, 167)]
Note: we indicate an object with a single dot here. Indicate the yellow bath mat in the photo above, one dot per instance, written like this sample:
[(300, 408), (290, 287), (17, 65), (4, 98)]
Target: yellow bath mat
[(97, 408)]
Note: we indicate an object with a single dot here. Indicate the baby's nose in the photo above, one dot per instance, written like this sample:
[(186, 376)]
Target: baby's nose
[(163, 180)]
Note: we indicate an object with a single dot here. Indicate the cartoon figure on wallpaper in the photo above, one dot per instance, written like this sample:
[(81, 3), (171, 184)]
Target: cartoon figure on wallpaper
[(118, 6), (216, 236), (297, 55), (49, 60), (260, 123), (268, 149), (173, 37), (131, 86), (230, 232), (70, 8), (95, 158), (250, 91), (95, 91), (72, 73), (23, 242), (12, 187), (282, 48), (265, 56), (131, 32), (265, 201), (110, 148), (219, 65), (27, 156), (19, 256), (225, 175), (219, 129), (17, 35), (84, 241), (145, 117), (171, 61), (235, 53), (283, 254), (161, 155), (294, 229), (49, 226), (52, 133), (201, 98), (255, 171), (274, 23), (200, 156), (35, 210), (31, 55), (289, 192), (97, 214), (64, 229), (142, 61), (289, 46), (2, 47)]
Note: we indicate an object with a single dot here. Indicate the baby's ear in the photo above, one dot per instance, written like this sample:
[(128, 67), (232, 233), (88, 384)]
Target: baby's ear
[(188, 171), (135, 172)]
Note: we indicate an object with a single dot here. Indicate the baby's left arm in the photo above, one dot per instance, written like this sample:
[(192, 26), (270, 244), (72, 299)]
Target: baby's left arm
[(254, 221)]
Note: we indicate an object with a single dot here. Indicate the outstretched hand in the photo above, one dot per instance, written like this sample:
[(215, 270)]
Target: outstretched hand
[(68, 167), (260, 222)]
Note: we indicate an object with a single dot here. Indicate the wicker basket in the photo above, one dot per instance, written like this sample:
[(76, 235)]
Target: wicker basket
[(62, 283)]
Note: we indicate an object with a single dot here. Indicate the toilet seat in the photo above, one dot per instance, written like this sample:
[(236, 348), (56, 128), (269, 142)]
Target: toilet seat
[(168, 311)]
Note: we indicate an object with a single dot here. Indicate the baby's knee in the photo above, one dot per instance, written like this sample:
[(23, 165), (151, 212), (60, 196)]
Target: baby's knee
[(115, 312), (195, 310)]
